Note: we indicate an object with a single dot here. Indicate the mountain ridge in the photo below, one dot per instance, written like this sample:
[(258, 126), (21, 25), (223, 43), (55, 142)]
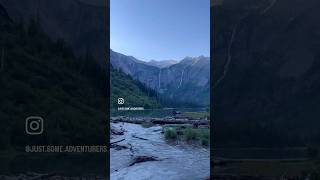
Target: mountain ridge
[(180, 80), (162, 63)]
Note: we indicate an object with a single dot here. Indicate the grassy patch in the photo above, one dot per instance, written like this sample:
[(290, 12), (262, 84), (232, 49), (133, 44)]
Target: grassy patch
[(190, 134), (202, 114), (170, 133), (147, 124), (202, 135)]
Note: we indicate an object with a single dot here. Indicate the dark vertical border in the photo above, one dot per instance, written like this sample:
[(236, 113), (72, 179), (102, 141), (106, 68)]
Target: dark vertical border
[(211, 92), (212, 80), (107, 58)]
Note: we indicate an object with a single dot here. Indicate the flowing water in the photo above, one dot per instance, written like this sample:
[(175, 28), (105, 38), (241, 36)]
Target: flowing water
[(175, 161)]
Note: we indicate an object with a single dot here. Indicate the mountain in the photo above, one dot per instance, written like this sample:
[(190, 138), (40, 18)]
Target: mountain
[(266, 72), (136, 68), (162, 64), (74, 21), (186, 81)]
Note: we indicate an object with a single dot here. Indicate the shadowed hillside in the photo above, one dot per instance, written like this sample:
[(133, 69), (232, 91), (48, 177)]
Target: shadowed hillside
[(42, 77), (133, 91), (266, 73)]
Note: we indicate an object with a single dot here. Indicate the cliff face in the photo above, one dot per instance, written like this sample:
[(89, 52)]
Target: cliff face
[(83, 24), (267, 85)]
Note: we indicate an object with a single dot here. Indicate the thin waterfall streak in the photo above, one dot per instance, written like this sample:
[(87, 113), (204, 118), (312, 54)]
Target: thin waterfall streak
[(229, 55), (160, 78), (182, 74), (273, 2), (234, 31)]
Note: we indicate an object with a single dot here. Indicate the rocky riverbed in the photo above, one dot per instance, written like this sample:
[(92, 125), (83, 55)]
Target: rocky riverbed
[(143, 153)]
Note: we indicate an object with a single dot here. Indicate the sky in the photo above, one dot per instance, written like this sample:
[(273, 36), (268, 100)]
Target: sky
[(160, 29)]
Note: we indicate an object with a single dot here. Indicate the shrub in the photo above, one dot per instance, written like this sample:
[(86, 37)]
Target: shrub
[(170, 133), (204, 136), (190, 134)]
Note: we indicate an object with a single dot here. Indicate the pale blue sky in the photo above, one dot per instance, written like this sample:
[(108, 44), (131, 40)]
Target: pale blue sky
[(160, 29)]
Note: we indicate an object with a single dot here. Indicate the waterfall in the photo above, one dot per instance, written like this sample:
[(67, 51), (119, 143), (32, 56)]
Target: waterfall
[(182, 76), (159, 78), (195, 61)]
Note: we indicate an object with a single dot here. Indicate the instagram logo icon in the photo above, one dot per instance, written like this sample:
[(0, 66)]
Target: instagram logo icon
[(120, 101), (34, 125)]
